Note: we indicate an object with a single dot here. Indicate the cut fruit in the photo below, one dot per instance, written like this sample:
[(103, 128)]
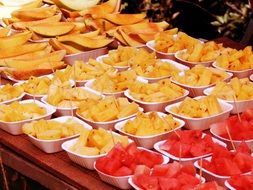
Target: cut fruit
[(78, 5), (60, 46), (131, 42), (125, 19), (33, 4), (53, 28), (145, 28), (23, 49), (87, 42), (88, 35), (35, 13), (103, 24), (24, 25), (98, 11), (118, 36), (43, 69), (56, 56), (28, 56), (15, 40)]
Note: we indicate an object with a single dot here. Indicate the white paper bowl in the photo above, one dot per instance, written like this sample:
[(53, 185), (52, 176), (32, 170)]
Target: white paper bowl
[(251, 77), (147, 141), (177, 65), (185, 161), (197, 90), (202, 123), (239, 74), (238, 105), (82, 160), (134, 186), (52, 146), (155, 106), (115, 94), (210, 176), (13, 99), (228, 186), (107, 124), (217, 130), (85, 56), (62, 111), (119, 68), (190, 63), (159, 54), (15, 128), (122, 181)]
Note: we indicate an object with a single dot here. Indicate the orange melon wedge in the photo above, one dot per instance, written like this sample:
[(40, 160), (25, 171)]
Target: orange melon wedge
[(125, 19)]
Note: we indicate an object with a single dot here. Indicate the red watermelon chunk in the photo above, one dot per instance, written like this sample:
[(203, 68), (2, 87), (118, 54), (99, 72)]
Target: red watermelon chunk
[(209, 186), (242, 182)]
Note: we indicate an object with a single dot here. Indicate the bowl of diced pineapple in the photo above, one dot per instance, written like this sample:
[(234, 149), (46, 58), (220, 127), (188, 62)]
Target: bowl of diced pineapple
[(238, 93), (15, 114), (66, 100), (200, 112), (48, 135), (155, 96), (105, 113), (235, 61), (113, 84), (198, 78), (148, 128), (9, 93), (91, 145), (199, 54), (167, 43)]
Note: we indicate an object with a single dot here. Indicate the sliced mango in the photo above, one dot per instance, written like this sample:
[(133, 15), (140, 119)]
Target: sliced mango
[(125, 19), (14, 40)]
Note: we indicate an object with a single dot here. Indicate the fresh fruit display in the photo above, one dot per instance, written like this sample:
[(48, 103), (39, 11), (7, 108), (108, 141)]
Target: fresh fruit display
[(107, 109), (236, 60), (171, 41), (81, 71), (227, 163), (83, 41), (236, 89), (161, 91), (97, 141), (114, 82), (198, 108), (145, 64), (67, 97), (239, 128), (136, 34), (122, 161), (8, 92), (241, 182), (23, 69), (172, 176), (18, 112), (146, 124), (200, 76), (188, 144), (201, 52), (52, 130), (120, 56)]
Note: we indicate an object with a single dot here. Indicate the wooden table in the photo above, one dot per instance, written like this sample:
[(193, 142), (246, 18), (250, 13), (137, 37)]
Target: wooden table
[(54, 171)]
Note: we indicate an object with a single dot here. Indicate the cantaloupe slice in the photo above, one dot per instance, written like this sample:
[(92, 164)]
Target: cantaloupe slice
[(125, 19), (87, 42), (88, 35), (29, 64), (114, 33), (23, 25), (35, 13), (52, 28), (103, 24), (98, 11), (28, 56), (33, 4), (60, 46), (145, 28), (23, 49), (131, 42), (15, 40)]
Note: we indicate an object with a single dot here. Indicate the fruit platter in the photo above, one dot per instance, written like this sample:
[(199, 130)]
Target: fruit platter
[(135, 103)]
